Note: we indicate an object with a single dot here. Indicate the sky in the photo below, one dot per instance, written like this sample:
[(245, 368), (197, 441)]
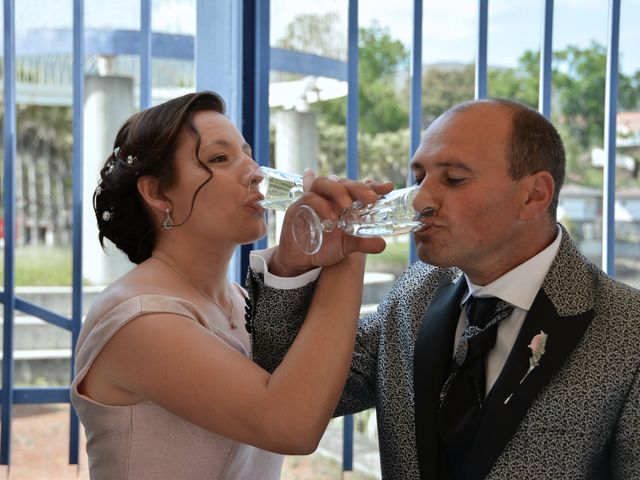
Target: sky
[(449, 26)]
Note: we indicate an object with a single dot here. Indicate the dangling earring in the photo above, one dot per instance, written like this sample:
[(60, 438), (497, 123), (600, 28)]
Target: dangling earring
[(168, 221)]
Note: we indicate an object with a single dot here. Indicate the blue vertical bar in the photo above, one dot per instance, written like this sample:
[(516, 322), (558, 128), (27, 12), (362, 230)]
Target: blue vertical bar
[(248, 98), (347, 445), (77, 172), (145, 54), (546, 56), (352, 95), (262, 67), (9, 183), (261, 92), (415, 115), (218, 52), (481, 60), (609, 181), (352, 172)]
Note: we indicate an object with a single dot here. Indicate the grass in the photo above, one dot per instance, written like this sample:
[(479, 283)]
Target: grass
[(52, 266), (41, 266), (394, 259)]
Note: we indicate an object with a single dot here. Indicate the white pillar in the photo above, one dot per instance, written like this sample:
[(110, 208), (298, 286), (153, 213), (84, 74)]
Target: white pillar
[(296, 145), (108, 102)]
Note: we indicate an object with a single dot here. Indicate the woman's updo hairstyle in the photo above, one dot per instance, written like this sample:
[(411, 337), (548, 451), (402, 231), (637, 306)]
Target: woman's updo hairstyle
[(145, 145)]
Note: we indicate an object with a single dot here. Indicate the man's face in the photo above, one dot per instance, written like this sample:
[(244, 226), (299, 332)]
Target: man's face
[(462, 167)]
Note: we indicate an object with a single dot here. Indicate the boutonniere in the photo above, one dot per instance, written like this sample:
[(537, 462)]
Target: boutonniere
[(538, 345)]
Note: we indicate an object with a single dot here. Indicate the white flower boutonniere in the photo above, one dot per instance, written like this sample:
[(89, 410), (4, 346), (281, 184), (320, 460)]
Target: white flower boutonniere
[(537, 346)]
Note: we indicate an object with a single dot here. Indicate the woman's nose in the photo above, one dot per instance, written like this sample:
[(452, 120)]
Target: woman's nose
[(253, 176)]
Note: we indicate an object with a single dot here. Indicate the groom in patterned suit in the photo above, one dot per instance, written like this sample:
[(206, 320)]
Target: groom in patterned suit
[(504, 353)]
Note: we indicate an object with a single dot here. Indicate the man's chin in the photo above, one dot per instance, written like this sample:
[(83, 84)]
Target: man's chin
[(427, 255), (423, 253)]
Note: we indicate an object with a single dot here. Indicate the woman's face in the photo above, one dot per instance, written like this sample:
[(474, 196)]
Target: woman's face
[(224, 209)]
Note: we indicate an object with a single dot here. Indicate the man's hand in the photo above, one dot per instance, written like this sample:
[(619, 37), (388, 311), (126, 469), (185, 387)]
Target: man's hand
[(328, 196)]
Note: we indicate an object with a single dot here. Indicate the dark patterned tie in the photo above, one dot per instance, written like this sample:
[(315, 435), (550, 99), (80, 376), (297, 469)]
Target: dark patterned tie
[(462, 396)]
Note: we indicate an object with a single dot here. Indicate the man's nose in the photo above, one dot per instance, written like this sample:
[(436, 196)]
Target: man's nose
[(423, 201)]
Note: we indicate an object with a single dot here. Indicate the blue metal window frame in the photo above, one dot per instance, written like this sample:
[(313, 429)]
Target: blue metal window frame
[(8, 296), (11, 395), (257, 59), (611, 101), (546, 56), (481, 56)]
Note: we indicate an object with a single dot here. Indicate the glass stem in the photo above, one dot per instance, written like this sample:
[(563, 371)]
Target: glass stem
[(328, 225)]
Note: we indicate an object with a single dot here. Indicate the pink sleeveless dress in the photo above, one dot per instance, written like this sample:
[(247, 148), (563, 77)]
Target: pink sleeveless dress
[(144, 441)]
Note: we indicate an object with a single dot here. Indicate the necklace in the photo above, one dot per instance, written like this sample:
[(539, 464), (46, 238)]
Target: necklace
[(232, 323)]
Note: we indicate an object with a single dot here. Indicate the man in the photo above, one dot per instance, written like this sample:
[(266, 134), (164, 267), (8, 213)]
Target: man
[(556, 391)]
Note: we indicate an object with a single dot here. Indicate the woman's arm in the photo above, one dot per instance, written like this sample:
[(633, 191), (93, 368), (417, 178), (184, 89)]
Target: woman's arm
[(180, 366)]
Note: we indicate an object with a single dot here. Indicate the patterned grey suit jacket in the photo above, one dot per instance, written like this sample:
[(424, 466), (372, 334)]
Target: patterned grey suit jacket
[(576, 416)]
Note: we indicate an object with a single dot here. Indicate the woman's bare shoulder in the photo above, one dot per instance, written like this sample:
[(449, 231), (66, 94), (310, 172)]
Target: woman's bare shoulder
[(137, 282)]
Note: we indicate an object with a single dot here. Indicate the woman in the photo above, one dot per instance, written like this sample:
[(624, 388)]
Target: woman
[(164, 385)]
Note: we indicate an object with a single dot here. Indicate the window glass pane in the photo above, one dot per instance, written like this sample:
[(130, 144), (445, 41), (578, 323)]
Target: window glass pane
[(577, 109), (449, 44), (383, 140), (40, 444), (307, 116), (43, 191), (111, 95), (172, 64), (317, 26), (628, 148), (513, 40), (43, 196)]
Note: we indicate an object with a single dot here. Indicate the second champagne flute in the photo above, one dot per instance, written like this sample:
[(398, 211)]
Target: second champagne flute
[(391, 214)]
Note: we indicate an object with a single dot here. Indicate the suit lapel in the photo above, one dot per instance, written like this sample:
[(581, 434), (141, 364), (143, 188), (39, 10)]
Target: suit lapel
[(432, 358), (501, 420)]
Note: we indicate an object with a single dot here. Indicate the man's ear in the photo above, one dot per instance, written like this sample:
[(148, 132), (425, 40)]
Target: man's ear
[(538, 193), (149, 189)]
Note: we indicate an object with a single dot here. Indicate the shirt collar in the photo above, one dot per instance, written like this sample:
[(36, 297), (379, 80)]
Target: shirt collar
[(520, 285)]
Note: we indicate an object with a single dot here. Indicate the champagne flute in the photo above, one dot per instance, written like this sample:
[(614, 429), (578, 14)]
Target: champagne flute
[(279, 188), (391, 214)]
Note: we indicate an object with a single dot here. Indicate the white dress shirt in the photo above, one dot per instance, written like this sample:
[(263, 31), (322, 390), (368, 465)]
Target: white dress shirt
[(518, 287)]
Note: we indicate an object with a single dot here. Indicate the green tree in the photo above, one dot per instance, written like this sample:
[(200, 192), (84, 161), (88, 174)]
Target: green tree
[(444, 86), (381, 105), (317, 34), (518, 84)]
